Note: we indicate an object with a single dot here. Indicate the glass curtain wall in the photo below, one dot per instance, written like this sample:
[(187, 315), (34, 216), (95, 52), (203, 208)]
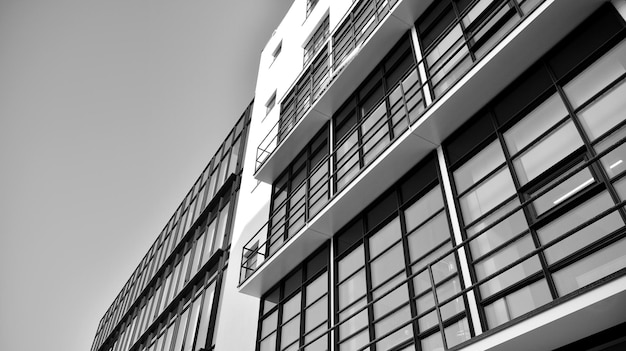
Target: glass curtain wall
[(539, 176)]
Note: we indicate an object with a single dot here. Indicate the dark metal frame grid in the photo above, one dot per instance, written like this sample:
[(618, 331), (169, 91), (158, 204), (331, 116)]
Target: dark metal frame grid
[(527, 200), (423, 183), (410, 105), (317, 40), (580, 158), (306, 278), (492, 24)]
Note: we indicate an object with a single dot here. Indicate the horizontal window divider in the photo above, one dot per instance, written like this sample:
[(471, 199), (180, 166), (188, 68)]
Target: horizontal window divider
[(599, 244), (524, 282), (497, 248), (425, 221), (538, 139)]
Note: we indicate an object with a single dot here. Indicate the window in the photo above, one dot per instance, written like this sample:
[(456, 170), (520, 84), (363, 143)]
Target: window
[(310, 5), (456, 33), (406, 232), (301, 191), (269, 105), (379, 111), (296, 310), (317, 40), (277, 51)]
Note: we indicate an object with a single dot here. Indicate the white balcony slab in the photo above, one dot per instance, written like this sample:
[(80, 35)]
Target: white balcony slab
[(284, 260), (537, 34), (569, 321), (392, 164)]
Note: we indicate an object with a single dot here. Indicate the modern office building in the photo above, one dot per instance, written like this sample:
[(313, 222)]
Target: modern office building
[(418, 175), (173, 296)]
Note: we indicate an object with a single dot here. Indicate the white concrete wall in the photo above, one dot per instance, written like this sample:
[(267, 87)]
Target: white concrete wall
[(238, 312)]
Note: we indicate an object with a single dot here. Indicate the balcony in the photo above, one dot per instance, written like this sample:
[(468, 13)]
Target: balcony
[(357, 172), (364, 36)]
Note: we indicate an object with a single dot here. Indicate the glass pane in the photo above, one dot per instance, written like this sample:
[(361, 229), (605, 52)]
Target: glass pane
[(429, 235), (425, 207), (591, 268), (551, 149), (291, 307), (597, 76), (620, 186), (386, 236), (518, 303), (432, 343), (500, 233), (351, 263), (566, 189), (269, 324), (386, 265), (448, 290), (535, 123), (606, 112), (355, 342), (269, 344), (316, 314), (399, 296), (479, 166), (352, 289), (584, 236), (457, 333), (614, 162), (182, 327), (289, 332), (504, 257), (391, 322), (193, 323), (487, 195), (510, 277), (317, 288), (355, 322)]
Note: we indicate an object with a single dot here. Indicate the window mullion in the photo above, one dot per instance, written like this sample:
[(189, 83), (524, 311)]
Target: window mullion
[(456, 230)]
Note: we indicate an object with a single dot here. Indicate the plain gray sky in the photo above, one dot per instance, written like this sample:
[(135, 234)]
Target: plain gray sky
[(109, 110)]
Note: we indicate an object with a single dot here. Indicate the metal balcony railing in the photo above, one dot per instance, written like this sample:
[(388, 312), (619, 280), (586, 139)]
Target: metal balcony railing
[(440, 261), (356, 27), (385, 123)]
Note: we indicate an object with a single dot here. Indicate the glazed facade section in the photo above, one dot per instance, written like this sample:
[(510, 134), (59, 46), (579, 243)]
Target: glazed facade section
[(172, 298), (519, 210)]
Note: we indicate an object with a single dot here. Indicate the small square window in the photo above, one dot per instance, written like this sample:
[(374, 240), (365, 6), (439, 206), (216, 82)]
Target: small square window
[(269, 105), (276, 51), (310, 5)]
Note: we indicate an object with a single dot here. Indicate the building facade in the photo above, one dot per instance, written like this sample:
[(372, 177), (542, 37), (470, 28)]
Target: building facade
[(418, 175)]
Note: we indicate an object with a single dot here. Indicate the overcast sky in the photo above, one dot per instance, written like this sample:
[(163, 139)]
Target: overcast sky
[(109, 110)]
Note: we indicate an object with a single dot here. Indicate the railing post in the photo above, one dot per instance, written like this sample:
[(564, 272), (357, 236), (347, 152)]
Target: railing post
[(461, 252)]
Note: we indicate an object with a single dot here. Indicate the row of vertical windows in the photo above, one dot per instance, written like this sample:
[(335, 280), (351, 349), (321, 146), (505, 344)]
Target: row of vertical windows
[(355, 30), (309, 87), (393, 265), (211, 236), (300, 192), (456, 33), (377, 113), (295, 314), (185, 328), (225, 162), (317, 40)]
